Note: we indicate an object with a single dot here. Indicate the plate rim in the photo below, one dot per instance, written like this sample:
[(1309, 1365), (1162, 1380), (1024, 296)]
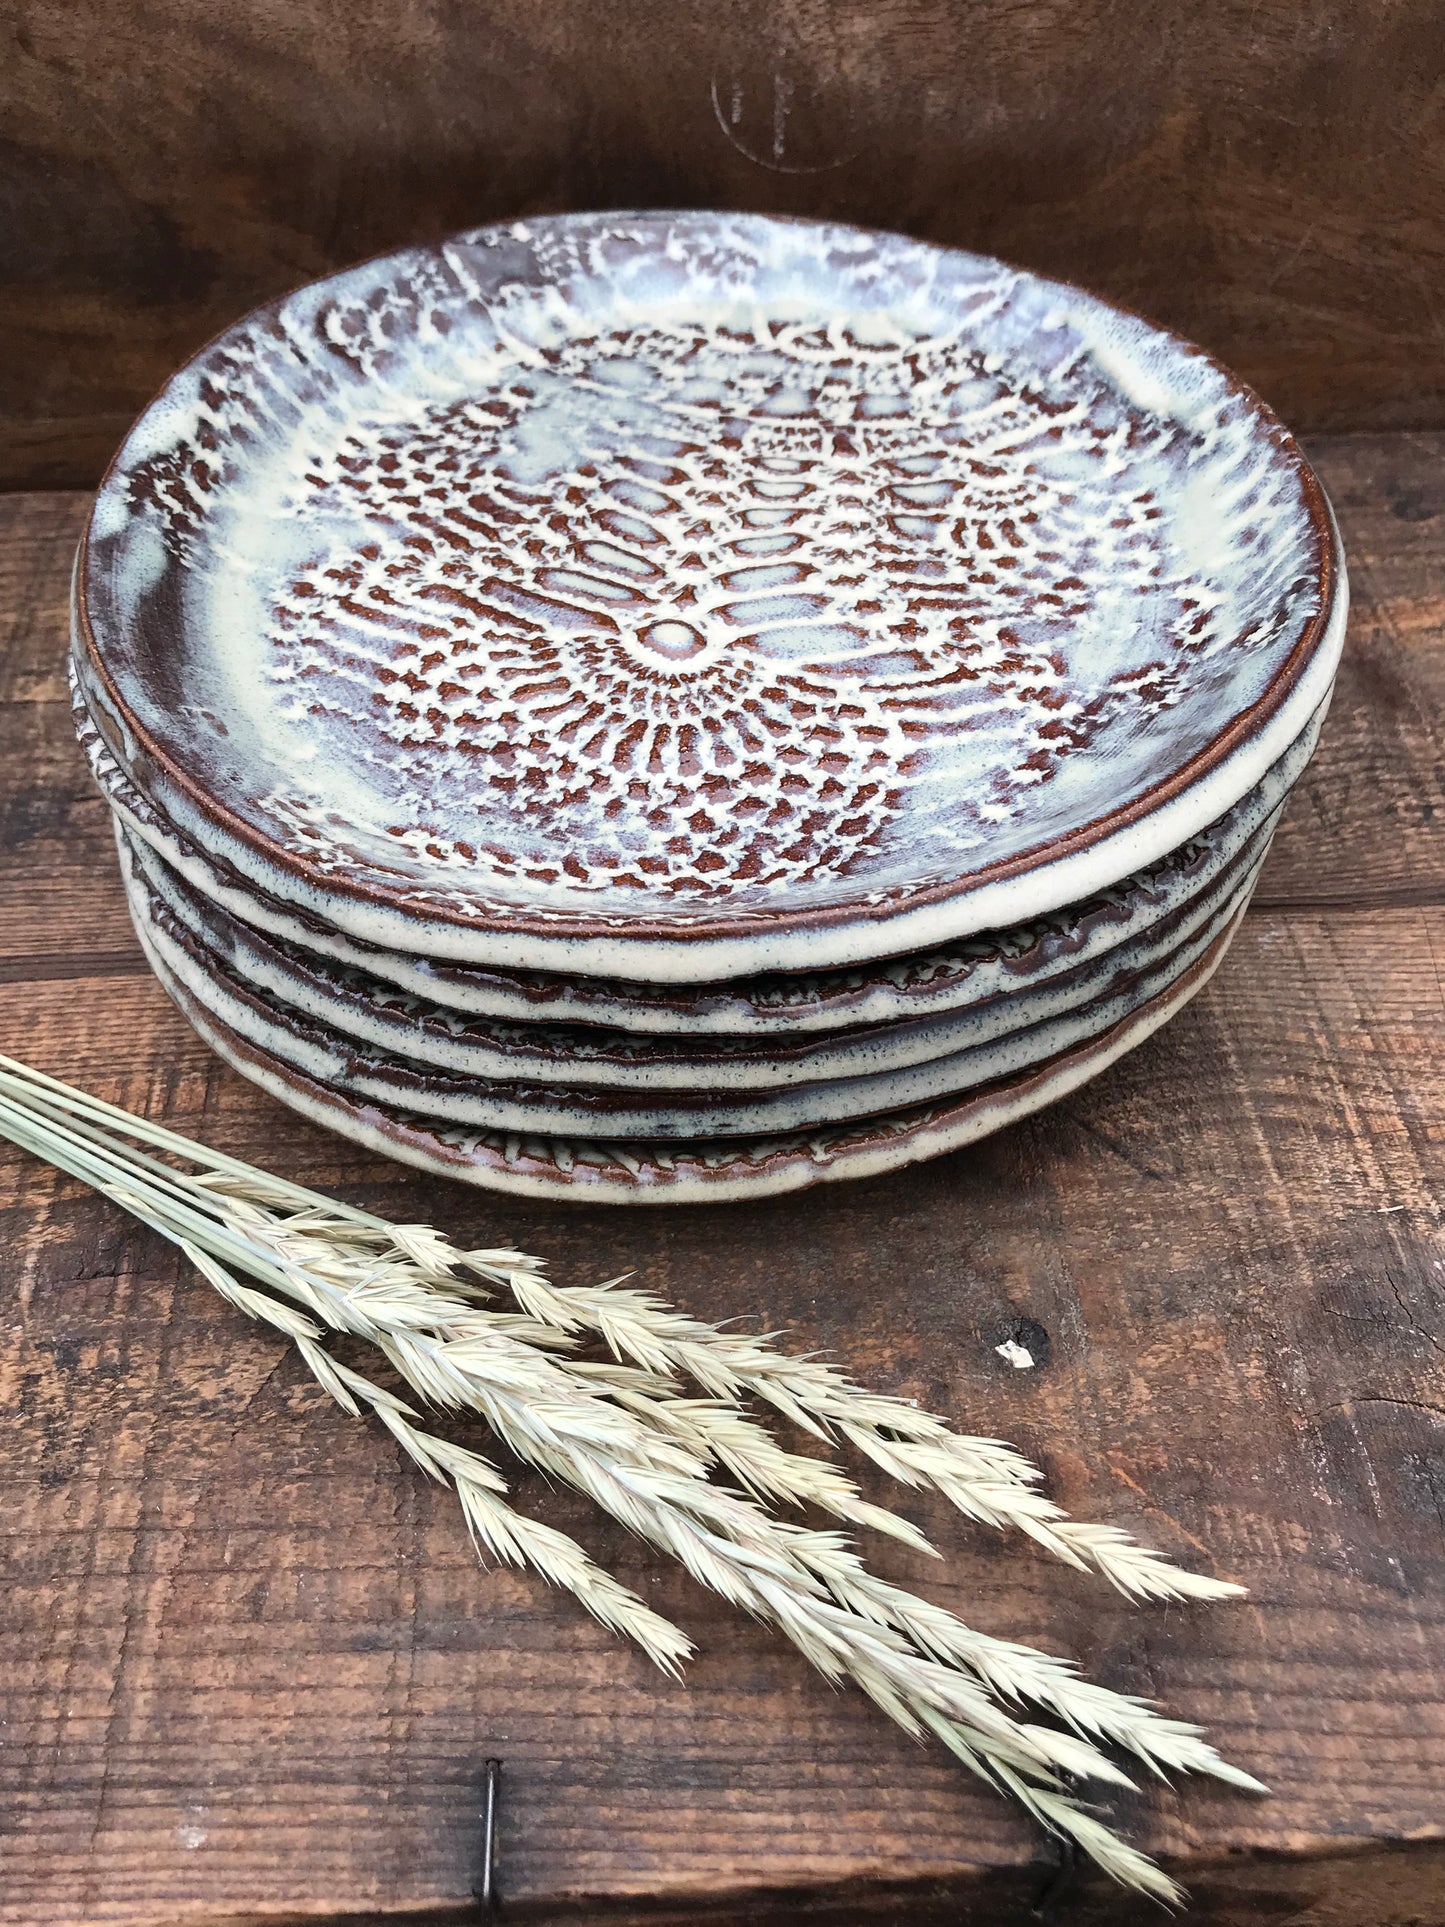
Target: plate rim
[(937, 1128)]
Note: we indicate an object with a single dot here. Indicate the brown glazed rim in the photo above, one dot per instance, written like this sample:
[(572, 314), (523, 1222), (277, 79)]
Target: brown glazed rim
[(691, 928), (405, 1135)]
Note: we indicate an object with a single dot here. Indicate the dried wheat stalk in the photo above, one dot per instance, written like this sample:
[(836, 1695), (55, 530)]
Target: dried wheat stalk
[(480, 1488), (986, 1479), (622, 1430)]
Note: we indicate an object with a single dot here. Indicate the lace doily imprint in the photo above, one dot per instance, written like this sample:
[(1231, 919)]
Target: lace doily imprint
[(597, 558), (660, 658)]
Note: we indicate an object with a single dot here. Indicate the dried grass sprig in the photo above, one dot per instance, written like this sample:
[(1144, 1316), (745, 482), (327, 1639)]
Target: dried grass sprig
[(984, 1478), (624, 1431), (655, 1502), (504, 1532), (778, 1571), (719, 1434)]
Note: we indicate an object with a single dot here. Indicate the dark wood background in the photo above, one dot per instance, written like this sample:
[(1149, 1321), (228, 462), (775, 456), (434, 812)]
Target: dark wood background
[(1267, 176)]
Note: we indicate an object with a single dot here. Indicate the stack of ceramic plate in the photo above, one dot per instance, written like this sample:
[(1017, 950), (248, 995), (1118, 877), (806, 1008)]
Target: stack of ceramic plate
[(668, 707)]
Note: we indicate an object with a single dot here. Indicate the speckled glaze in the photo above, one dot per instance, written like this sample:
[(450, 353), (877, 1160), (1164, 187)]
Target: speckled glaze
[(319, 1052), (354, 1008), (907, 990), (595, 1171), (683, 597)]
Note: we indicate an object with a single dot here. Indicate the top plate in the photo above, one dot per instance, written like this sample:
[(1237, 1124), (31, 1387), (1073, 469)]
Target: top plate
[(683, 595)]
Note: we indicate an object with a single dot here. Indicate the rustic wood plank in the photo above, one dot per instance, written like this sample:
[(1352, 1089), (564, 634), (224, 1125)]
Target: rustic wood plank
[(53, 824), (259, 1628), (252, 1670), (1365, 824), (1257, 175)]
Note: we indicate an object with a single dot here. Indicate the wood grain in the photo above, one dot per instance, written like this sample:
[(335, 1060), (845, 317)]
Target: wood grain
[(1263, 176), (251, 1670)]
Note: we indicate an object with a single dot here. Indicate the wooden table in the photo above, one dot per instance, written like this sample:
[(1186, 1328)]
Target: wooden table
[(251, 1671)]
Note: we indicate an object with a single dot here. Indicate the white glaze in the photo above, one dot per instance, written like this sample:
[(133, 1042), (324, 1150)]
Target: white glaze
[(357, 1006), (612, 343), (585, 1171), (990, 966), (319, 1053)]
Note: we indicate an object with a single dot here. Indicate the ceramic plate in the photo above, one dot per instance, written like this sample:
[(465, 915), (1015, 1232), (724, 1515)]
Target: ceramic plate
[(319, 1052), (592, 1171), (930, 985), (687, 596), (373, 1015)]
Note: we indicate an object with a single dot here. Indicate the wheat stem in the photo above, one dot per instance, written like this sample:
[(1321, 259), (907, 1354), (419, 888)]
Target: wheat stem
[(623, 1432), (480, 1488), (984, 1478)]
